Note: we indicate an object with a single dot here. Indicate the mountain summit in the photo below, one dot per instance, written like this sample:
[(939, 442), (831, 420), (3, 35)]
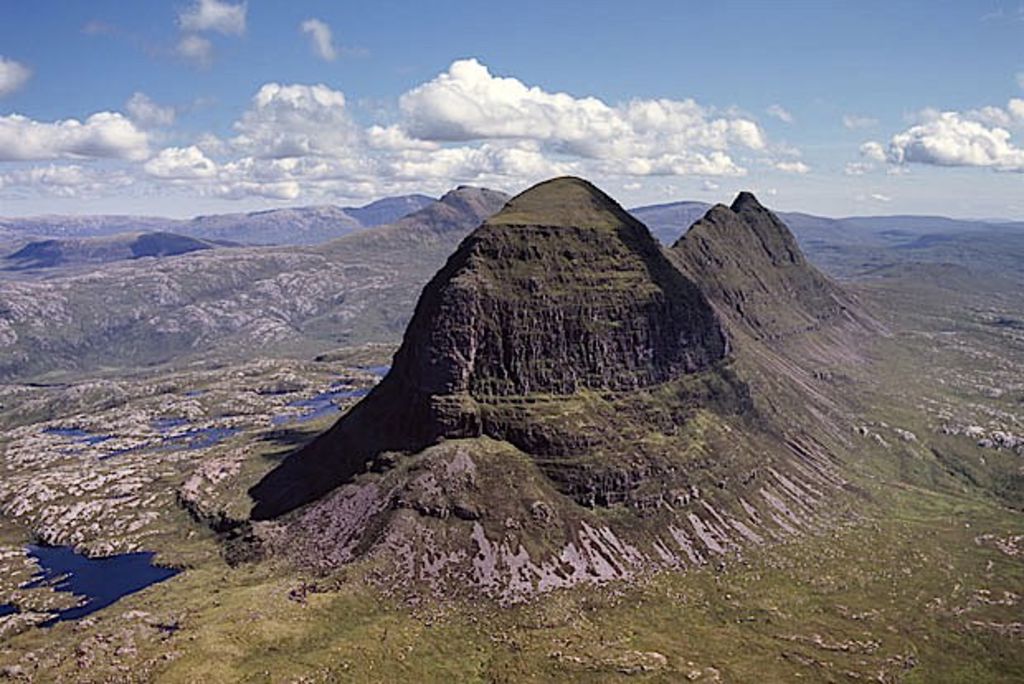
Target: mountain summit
[(560, 292), (749, 263), (567, 406)]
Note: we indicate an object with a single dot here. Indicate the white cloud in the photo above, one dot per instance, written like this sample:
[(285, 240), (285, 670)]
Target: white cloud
[(879, 197), (952, 139), (792, 167), (66, 180), (181, 163), (148, 114), (855, 122), (1016, 109), (214, 15), (709, 186), (195, 49), (285, 190), (858, 168), (300, 141), (102, 135), (296, 121), (13, 75), (395, 138), (780, 113), (641, 137), (320, 39), (873, 150)]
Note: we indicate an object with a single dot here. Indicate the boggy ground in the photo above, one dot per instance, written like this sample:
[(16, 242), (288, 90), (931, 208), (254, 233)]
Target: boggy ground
[(919, 579)]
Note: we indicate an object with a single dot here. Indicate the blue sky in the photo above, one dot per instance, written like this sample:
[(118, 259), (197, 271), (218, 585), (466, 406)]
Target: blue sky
[(197, 106)]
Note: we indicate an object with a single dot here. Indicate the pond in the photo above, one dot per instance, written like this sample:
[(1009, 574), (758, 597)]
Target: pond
[(100, 581), (77, 435), (321, 405)]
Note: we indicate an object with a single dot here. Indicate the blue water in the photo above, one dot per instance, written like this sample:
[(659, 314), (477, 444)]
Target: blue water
[(322, 404), (167, 424), (197, 438), (7, 609), (77, 435), (377, 370), (101, 581)]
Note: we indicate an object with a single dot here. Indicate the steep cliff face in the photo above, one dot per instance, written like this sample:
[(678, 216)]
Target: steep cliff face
[(560, 293), (567, 406), (748, 262)]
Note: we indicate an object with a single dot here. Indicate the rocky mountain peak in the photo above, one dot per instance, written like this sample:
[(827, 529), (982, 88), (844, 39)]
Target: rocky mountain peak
[(749, 263), (566, 201), (746, 201), (561, 292), (560, 365)]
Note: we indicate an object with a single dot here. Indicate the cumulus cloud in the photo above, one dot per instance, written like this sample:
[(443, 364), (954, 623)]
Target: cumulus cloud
[(952, 139), (214, 15), (66, 180), (320, 39), (1016, 109), (181, 163), (792, 167), (195, 49), (855, 122), (147, 113), (467, 103), (13, 75), (464, 126), (103, 135), (780, 113), (297, 121), (873, 150)]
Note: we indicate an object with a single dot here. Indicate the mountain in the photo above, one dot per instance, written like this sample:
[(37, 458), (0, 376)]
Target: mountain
[(856, 246), (77, 252), (389, 209), (560, 292), (289, 300), (566, 407), (289, 226), (749, 263)]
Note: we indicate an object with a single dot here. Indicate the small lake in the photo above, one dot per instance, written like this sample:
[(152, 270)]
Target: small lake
[(321, 405), (77, 435), (101, 581)]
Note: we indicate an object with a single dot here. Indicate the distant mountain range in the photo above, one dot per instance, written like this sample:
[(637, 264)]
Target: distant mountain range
[(290, 226), (93, 251), (303, 299), (117, 309)]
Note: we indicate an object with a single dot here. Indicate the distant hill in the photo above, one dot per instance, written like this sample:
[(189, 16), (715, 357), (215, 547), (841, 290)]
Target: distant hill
[(72, 252), (233, 302), (288, 226)]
